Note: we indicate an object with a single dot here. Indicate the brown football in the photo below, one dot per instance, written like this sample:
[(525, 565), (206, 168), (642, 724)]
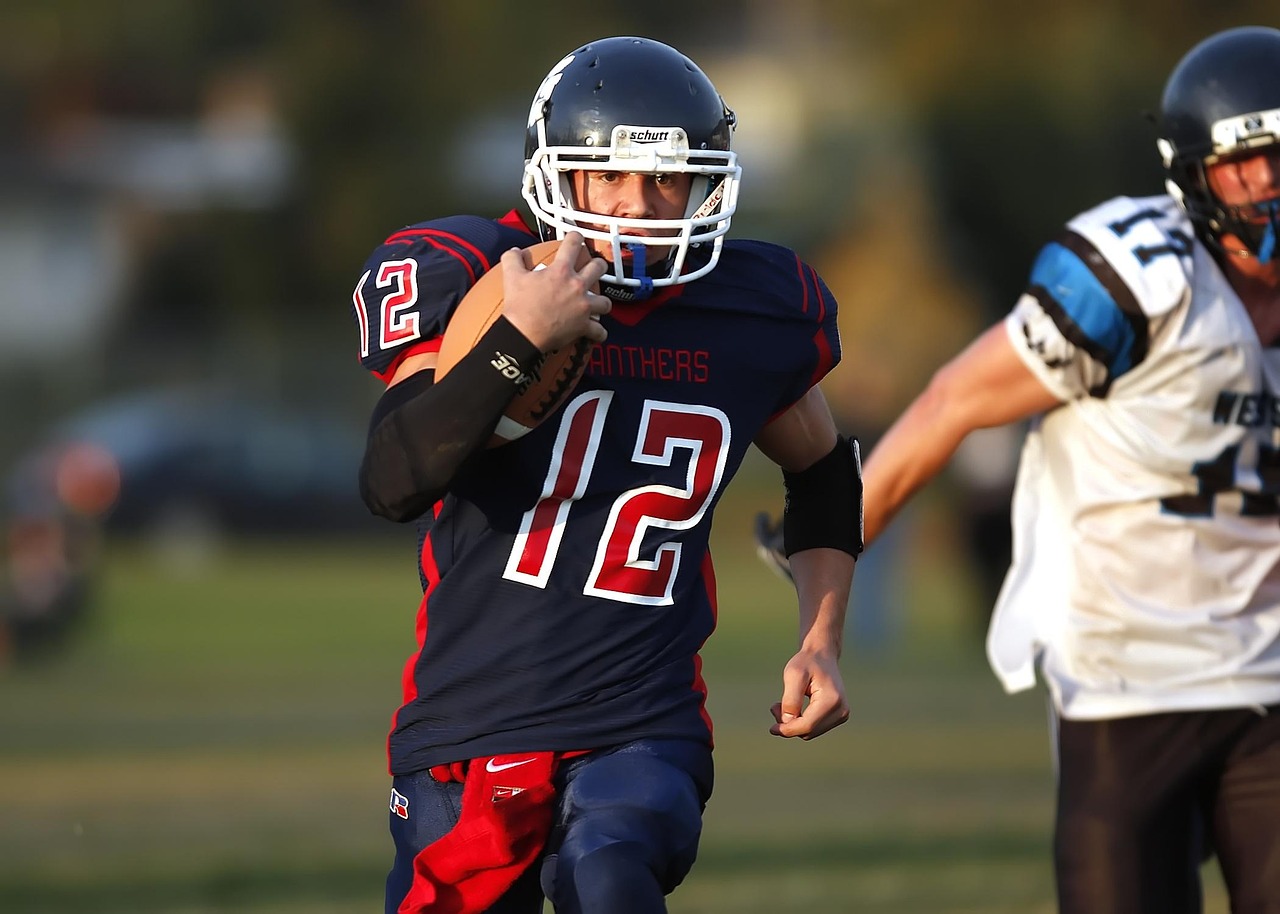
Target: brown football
[(549, 383)]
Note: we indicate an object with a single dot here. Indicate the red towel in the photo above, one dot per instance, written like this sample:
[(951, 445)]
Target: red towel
[(507, 807)]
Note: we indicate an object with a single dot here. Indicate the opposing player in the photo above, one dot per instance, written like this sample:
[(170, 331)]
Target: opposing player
[(553, 738), (1146, 568)]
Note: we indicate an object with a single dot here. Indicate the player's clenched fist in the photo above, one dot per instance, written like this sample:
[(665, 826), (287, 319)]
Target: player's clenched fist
[(558, 302)]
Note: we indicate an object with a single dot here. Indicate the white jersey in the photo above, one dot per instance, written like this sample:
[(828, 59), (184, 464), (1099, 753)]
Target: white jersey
[(1146, 516)]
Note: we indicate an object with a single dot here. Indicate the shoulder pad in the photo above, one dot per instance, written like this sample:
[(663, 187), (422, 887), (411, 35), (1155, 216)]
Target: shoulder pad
[(413, 281), (777, 280), (1147, 242)]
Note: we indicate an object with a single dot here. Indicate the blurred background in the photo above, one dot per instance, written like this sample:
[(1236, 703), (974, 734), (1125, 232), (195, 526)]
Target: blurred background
[(201, 630)]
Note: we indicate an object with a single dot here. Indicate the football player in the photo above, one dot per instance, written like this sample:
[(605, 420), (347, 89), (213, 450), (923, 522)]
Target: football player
[(1145, 581), (553, 739)]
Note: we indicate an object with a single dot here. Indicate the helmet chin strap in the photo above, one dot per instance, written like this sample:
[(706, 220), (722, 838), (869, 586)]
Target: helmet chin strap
[(638, 256), (639, 271), (1267, 246)]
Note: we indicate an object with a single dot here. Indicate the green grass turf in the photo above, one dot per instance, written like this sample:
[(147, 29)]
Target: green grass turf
[(213, 743)]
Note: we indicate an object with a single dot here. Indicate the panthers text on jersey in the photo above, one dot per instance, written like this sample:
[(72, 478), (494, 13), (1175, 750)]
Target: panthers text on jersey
[(1146, 512), (567, 581)]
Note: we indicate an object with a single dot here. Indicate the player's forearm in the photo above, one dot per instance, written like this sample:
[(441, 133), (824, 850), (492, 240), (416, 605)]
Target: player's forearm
[(911, 453), (986, 385), (822, 578), (422, 432)]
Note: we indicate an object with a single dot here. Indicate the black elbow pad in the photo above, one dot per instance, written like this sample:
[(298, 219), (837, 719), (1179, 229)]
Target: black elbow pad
[(824, 503)]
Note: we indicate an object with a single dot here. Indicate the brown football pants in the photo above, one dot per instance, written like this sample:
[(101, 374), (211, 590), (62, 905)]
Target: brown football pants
[(1144, 801)]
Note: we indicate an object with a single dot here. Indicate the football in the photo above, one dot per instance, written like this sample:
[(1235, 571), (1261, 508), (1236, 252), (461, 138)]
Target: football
[(549, 383)]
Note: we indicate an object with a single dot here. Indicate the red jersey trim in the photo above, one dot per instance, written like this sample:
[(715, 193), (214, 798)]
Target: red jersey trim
[(822, 299), (514, 220), (700, 684), (408, 682), (633, 312), (423, 346), (804, 286), (430, 236)]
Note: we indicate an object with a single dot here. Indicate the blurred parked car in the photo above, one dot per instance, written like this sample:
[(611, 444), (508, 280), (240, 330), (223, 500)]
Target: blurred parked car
[(178, 459), (180, 470)]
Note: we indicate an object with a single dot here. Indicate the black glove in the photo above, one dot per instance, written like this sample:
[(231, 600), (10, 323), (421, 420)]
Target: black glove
[(769, 545)]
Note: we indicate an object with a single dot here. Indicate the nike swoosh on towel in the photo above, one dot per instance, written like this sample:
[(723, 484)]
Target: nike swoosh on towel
[(490, 766)]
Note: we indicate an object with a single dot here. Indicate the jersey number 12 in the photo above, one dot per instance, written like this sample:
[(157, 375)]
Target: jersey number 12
[(620, 571)]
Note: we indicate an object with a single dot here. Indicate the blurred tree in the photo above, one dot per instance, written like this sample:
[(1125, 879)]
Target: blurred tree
[(1015, 116)]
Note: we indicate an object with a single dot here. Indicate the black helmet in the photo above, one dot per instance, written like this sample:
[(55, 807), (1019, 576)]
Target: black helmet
[(1222, 98), (633, 105)]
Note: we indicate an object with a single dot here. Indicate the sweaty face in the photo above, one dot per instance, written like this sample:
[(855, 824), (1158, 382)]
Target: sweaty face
[(1247, 179), (1248, 186), (631, 195)]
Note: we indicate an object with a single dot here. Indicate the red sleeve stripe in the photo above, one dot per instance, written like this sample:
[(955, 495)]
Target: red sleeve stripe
[(826, 359), (804, 286), (822, 366), (448, 242), (822, 300)]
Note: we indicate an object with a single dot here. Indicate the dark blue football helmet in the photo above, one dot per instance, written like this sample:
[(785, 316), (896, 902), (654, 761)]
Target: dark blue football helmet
[(1221, 100)]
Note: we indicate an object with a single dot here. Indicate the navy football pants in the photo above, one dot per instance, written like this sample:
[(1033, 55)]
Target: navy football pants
[(626, 830)]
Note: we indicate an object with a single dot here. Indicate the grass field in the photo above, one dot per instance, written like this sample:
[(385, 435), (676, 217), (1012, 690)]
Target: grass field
[(214, 743)]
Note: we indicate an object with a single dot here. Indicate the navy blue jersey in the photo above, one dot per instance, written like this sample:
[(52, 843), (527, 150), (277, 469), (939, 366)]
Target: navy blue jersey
[(567, 582)]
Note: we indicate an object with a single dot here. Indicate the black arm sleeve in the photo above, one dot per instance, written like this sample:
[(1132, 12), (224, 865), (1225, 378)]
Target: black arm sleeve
[(422, 432), (824, 503)]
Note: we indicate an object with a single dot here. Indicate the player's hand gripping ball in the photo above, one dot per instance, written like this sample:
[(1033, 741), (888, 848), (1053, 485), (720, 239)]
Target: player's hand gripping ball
[(549, 383)]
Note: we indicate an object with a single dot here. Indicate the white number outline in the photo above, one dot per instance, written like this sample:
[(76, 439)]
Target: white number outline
[(598, 401), (362, 314), (698, 492), (398, 328), (662, 455)]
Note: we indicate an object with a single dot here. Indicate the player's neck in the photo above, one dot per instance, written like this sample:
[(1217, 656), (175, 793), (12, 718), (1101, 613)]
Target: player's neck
[(1258, 286)]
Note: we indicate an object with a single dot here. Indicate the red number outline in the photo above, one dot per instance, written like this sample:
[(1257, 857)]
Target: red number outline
[(398, 328), (619, 571), (542, 527)]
